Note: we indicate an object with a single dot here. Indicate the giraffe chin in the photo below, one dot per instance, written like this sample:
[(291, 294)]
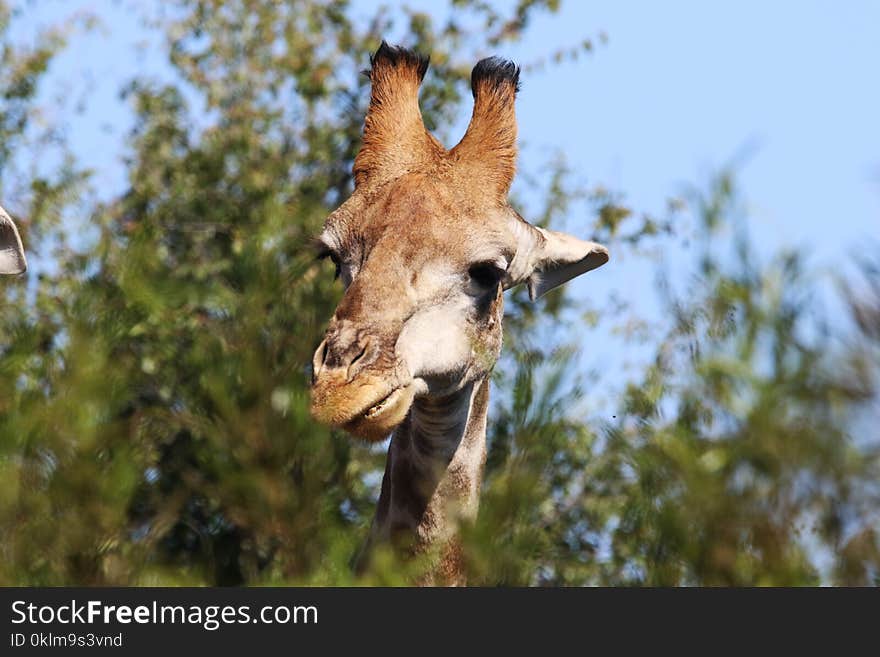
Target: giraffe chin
[(377, 422), (369, 408)]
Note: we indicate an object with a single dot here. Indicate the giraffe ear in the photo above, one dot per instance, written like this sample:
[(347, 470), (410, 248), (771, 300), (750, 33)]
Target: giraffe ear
[(546, 259), (12, 260)]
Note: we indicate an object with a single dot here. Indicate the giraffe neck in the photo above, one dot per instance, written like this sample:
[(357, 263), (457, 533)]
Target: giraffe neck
[(432, 478)]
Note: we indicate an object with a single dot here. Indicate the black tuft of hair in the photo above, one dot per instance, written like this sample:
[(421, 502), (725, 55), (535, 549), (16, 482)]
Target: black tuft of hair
[(495, 70), (398, 54)]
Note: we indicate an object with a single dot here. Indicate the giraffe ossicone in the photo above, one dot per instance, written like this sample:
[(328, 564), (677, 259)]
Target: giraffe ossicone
[(426, 246)]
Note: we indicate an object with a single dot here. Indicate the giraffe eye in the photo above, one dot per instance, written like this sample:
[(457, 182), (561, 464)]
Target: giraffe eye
[(486, 274)]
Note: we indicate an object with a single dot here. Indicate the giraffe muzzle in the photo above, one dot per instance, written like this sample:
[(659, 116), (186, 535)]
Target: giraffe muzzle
[(353, 388), (368, 408)]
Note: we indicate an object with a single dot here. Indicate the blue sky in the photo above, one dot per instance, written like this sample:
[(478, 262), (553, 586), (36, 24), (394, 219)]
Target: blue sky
[(678, 90), (681, 86)]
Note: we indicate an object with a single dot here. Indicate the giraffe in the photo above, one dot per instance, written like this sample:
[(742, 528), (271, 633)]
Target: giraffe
[(425, 247), (12, 260)]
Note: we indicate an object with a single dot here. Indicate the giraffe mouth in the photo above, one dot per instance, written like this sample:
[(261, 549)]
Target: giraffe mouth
[(379, 420), (376, 409)]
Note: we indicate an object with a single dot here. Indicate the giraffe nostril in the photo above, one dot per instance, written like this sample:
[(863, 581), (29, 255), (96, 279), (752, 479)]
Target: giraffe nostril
[(353, 366), (345, 351), (360, 354), (318, 360)]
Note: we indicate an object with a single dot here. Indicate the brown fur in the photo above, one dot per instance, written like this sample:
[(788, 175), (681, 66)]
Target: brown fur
[(481, 166), (485, 159), (395, 139), (411, 244), (394, 233), (415, 207)]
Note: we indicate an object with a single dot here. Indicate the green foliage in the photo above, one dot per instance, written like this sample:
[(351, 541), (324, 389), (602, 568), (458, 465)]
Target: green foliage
[(153, 406)]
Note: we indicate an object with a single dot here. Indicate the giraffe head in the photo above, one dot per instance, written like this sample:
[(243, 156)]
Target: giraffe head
[(425, 247), (12, 260)]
